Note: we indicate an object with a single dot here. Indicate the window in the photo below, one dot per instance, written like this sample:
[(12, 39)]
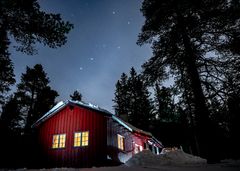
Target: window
[(81, 139), (59, 141), (55, 141), (120, 142), (77, 139), (137, 148), (85, 139)]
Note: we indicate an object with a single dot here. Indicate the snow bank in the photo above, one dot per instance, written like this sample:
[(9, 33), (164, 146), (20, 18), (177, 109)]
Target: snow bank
[(173, 158)]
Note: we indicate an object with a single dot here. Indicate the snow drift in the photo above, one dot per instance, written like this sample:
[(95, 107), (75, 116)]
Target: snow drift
[(173, 158)]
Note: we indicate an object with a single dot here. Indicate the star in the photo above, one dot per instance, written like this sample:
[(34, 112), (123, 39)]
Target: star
[(91, 59), (81, 68), (128, 22), (113, 12), (119, 47)]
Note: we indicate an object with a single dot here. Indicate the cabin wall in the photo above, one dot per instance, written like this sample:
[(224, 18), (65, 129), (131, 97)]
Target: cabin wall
[(70, 120), (113, 152)]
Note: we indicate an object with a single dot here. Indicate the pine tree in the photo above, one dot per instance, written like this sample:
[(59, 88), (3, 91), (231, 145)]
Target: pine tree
[(164, 104), (133, 99), (11, 118), (6, 67), (76, 96), (122, 98), (27, 24), (232, 104), (183, 33), (34, 94)]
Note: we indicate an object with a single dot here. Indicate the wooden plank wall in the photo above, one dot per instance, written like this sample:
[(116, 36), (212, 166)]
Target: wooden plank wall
[(70, 120)]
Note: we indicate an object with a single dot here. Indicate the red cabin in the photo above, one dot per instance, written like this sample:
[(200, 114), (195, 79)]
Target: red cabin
[(77, 134)]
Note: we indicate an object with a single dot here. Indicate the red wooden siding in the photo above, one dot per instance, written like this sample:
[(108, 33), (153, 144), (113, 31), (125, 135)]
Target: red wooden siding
[(116, 154), (70, 120)]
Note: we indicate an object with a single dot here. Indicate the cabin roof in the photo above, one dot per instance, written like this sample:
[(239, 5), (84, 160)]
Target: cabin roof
[(60, 105), (132, 128)]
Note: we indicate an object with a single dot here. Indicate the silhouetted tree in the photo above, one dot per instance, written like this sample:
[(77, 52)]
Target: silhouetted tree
[(11, 118), (121, 99), (132, 97), (6, 68), (35, 95), (76, 96), (164, 104), (232, 87), (28, 25), (183, 33)]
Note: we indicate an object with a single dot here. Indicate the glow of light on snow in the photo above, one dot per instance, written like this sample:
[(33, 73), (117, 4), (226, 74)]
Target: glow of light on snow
[(81, 68), (113, 12), (124, 157), (119, 47), (91, 59), (129, 22)]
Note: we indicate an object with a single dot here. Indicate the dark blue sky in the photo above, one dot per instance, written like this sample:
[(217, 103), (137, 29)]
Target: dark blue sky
[(101, 46)]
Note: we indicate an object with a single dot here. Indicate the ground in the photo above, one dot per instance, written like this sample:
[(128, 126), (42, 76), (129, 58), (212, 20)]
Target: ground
[(176, 160), (215, 167)]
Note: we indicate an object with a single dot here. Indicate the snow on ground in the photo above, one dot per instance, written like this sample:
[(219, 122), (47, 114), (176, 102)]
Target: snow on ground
[(171, 161), (162, 168), (172, 158)]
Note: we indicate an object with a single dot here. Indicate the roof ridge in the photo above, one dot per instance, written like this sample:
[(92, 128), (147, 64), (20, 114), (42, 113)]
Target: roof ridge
[(62, 104)]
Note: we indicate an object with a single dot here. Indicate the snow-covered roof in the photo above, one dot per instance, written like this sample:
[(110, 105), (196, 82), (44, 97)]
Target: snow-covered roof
[(90, 106), (130, 127), (60, 105)]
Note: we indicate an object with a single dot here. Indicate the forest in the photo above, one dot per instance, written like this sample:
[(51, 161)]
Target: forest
[(187, 93), (195, 46)]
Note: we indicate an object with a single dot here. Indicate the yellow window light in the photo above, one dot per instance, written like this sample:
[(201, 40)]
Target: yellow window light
[(77, 139), (85, 138), (59, 141), (120, 142)]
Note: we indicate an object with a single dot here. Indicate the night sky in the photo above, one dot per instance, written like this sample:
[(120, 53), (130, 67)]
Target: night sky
[(100, 48)]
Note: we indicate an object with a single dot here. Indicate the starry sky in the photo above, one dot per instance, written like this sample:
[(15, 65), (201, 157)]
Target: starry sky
[(100, 48)]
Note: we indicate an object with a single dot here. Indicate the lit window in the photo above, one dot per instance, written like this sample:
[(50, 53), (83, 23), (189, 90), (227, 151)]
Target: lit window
[(81, 139), (77, 139), (55, 141), (120, 142), (137, 148), (141, 148), (59, 141), (85, 138)]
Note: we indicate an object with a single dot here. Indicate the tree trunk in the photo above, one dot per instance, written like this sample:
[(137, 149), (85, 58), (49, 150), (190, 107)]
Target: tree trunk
[(30, 112), (204, 127)]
